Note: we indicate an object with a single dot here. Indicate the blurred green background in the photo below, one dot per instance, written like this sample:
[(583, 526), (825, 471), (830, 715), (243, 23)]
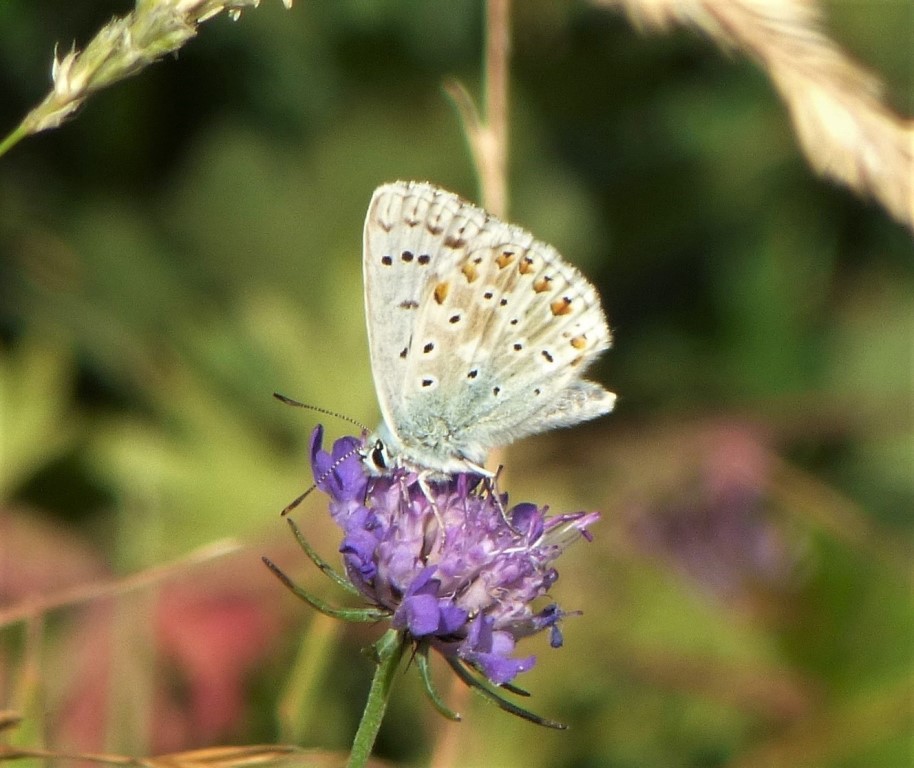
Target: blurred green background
[(191, 243)]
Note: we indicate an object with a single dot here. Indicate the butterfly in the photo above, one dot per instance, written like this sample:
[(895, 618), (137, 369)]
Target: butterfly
[(478, 333)]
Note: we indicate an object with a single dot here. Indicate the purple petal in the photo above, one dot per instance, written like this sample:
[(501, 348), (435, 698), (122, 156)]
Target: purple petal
[(419, 614), (526, 517), (424, 612), (339, 473), (488, 651), (452, 619), (320, 460), (555, 636)]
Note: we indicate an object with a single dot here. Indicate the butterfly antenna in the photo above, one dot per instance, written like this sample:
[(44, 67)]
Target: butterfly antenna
[(295, 502), (298, 500), (316, 409)]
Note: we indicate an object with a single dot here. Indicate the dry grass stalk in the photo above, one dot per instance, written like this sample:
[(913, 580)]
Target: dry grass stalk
[(844, 127), (487, 133), (249, 756), (97, 590), (123, 47)]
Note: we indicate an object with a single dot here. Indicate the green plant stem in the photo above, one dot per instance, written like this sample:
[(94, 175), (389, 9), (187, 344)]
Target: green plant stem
[(389, 650), (12, 139)]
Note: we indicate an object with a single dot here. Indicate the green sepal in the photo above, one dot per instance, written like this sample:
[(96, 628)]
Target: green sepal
[(514, 689), (325, 567), (486, 691), (421, 657), (366, 615)]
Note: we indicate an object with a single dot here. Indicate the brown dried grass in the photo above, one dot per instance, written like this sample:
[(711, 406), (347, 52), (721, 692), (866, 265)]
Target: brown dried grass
[(843, 124)]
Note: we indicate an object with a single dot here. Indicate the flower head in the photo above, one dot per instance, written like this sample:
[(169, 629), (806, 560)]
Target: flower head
[(453, 566)]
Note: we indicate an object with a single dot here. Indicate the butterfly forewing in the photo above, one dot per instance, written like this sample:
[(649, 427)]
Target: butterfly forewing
[(478, 333)]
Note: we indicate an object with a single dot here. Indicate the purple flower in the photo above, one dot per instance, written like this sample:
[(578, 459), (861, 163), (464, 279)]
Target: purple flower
[(455, 567), (715, 526)]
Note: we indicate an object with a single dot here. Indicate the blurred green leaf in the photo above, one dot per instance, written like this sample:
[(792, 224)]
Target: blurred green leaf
[(37, 422)]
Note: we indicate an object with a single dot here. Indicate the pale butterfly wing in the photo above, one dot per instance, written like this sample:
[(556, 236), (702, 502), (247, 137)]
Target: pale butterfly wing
[(478, 333)]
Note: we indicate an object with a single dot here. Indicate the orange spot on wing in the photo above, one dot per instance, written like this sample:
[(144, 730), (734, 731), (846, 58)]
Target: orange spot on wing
[(561, 306), (469, 272), (542, 284), (579, 342), (504, 259), (441, 292)]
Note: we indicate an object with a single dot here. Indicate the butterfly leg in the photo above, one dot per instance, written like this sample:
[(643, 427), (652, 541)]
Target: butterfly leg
[(491, 484), (427, 492)]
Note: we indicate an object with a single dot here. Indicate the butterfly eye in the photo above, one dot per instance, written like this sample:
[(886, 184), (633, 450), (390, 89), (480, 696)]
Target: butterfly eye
[(378, 457)]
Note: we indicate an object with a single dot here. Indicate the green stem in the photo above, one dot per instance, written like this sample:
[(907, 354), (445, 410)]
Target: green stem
[(389, 651), (13, 139)]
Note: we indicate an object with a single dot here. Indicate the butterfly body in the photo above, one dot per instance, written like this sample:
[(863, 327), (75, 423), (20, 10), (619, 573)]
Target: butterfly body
[(478, 333)]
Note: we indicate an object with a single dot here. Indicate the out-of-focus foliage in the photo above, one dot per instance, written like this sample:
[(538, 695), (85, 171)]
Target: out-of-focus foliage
[(191, 243)]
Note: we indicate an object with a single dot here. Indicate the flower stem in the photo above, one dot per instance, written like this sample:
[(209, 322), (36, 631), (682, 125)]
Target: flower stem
[(389, 650), (12, 139)]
